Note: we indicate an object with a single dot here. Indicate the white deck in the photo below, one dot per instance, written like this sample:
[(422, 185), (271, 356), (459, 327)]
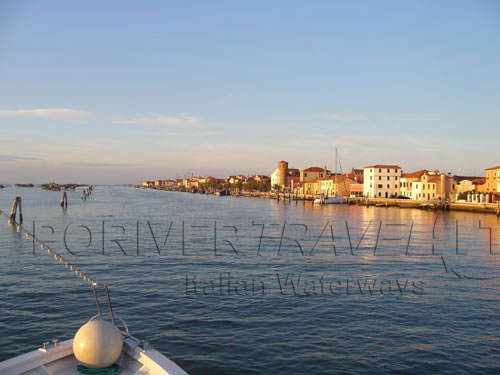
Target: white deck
[(59, 360)]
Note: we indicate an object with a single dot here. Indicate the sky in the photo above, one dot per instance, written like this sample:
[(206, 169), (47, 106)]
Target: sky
[(126, 91)]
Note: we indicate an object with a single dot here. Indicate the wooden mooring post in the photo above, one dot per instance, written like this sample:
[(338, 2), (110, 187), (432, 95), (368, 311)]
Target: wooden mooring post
[(64, 199), (13, 211)]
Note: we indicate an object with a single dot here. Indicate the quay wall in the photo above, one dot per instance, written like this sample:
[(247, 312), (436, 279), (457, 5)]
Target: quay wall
[(493, 208)]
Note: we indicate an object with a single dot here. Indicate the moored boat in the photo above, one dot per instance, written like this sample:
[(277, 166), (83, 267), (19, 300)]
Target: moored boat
[(328, 200)]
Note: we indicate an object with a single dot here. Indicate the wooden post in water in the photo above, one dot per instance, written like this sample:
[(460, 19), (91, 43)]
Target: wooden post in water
[(64, 199), (13, 210)]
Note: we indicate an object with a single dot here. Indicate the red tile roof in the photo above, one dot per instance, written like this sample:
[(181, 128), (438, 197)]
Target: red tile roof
[(417, 174), (383, 166), (497, 167), (314, 169)]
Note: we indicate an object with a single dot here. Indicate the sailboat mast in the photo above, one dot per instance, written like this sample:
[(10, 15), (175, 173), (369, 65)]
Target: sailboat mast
[(336, 187)]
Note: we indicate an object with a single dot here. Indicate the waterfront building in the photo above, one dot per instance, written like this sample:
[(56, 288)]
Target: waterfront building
[(313, 173), (159, 184), (437, 185), (492, 183), (428, 185), (407, 183), (466, 184), (381, 181), (312, 187), (356, 190), (192, 183), (334, 186), (285, 178), (356, 175)]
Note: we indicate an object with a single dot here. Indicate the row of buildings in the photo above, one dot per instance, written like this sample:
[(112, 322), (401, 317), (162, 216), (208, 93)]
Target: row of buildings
[(374, 181), (388, 181), (193, 182)]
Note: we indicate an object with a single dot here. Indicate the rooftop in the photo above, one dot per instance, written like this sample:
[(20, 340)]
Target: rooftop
[(383, 166), (417, 174), (314, 169)]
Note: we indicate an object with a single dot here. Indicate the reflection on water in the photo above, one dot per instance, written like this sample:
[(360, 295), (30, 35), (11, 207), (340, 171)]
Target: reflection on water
[(241, 285)]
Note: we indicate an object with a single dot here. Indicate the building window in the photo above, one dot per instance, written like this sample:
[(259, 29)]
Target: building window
[(379, 177), (380, 171), (371, 178), (380, 186), (379, 194), (388, 186), (388, 178), (396, 186), (396, 178), (388, 170)]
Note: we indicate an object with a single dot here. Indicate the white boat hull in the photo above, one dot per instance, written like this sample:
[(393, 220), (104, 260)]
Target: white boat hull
[(329, 200), (59, 360)]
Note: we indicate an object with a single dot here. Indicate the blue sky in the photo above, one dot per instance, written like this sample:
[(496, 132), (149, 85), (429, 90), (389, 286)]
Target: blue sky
[(119, 92)]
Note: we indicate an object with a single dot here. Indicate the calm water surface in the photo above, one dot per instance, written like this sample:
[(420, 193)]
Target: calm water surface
[(227, 285)]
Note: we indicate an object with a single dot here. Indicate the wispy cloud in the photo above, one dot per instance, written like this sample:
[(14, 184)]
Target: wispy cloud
[(350, 116), (44, 112), (100, 165), (4, 157), (183, 120)]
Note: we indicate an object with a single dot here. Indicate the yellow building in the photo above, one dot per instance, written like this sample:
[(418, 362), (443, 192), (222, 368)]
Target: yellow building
[(492, 184), (312, 187), (438, 186), (407, 182), (335, 186)]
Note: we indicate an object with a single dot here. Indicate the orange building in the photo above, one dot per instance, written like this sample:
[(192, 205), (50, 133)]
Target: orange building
[(492, 184)]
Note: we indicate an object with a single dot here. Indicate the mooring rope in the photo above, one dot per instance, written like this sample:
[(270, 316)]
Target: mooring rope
[(49, 251)]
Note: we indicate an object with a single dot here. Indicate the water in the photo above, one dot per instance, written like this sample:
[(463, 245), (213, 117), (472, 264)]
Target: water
[(382, 304)]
